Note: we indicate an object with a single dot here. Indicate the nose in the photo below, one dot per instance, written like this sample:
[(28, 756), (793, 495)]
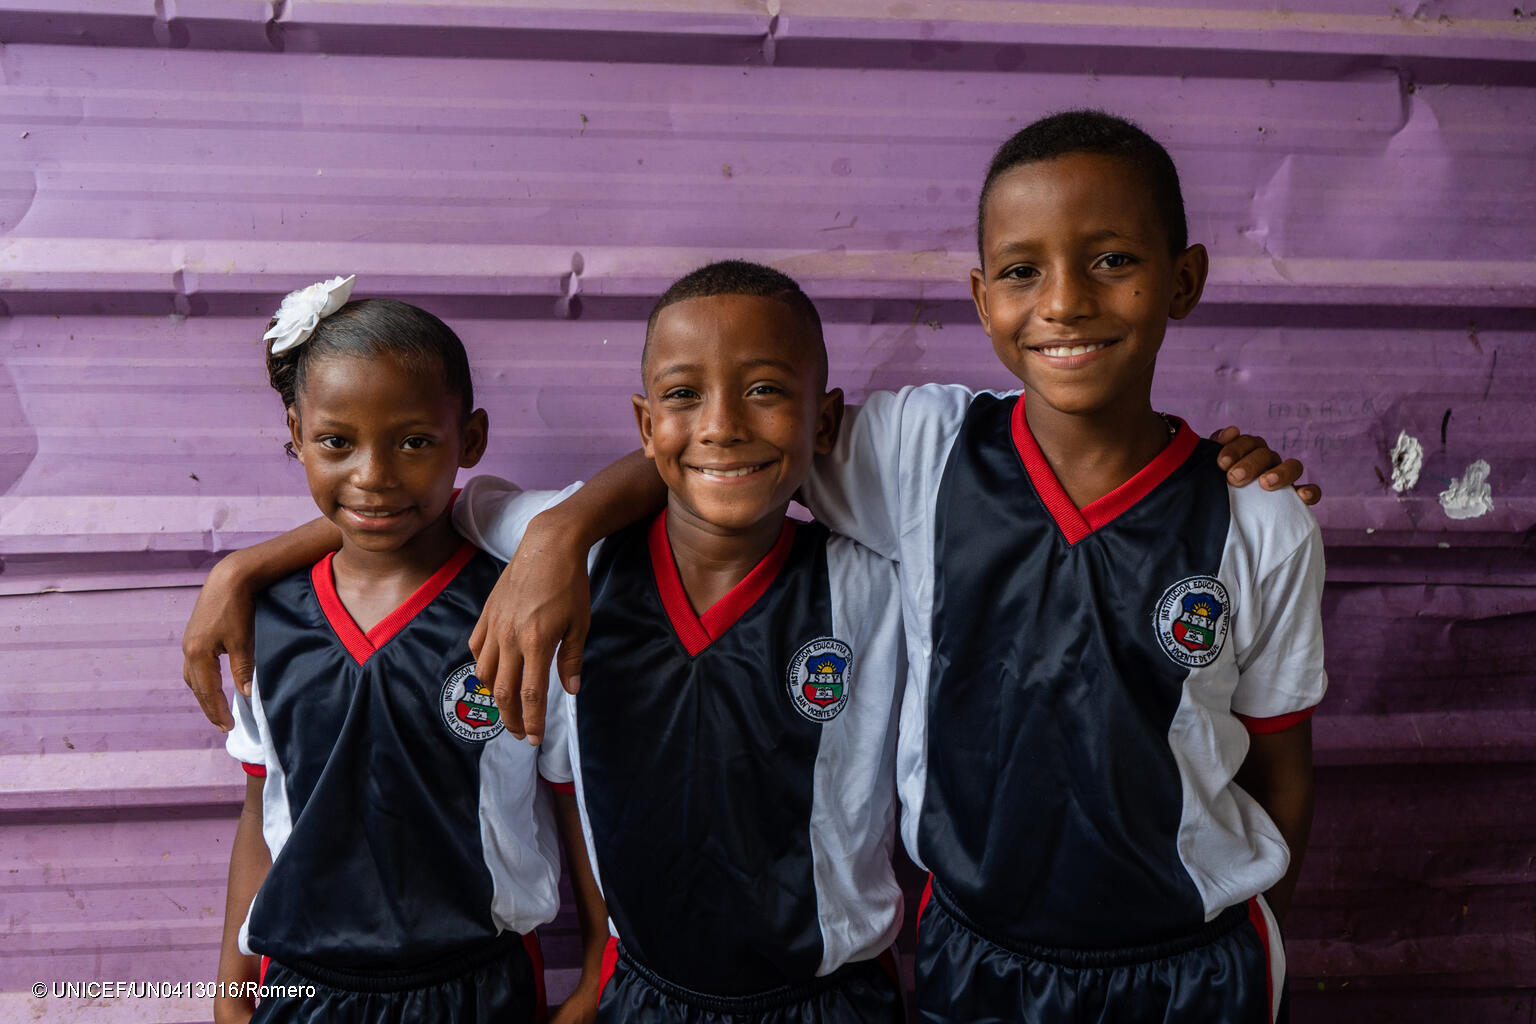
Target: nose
[(1064, 296), (373, 470), (721, 421)]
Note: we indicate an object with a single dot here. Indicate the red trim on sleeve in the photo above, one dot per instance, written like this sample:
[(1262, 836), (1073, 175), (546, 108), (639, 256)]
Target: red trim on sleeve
[(255, 771), (695, 631), (568, 788), (1256, 918), (1279, 723), (266, 962), (1075, 523), (363, 645)]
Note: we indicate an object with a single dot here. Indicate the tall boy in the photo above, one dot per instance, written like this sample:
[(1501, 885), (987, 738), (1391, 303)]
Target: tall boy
[(1110, 634), (1103, 636)]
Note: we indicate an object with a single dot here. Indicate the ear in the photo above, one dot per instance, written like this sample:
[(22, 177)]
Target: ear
[(643, 421), (979, 297), (295, 431), (1189, 272), (829, 420), (473, 437)]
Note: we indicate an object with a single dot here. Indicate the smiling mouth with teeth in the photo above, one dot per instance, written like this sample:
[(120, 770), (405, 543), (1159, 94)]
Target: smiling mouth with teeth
[(374, 513), (743, 471), (1071, 350)]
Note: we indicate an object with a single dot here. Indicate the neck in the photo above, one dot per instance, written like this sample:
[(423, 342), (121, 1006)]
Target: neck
[(1092, 454), (371, 584), (711, 559)]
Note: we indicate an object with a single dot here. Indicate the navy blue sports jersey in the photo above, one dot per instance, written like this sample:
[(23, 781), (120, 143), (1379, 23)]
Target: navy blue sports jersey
[(404, 822), (735, 769), (1086, 678)]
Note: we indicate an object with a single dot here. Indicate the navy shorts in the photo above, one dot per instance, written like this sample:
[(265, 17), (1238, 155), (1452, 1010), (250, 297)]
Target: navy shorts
[(498, 983), (1224, 973), (860, 993)]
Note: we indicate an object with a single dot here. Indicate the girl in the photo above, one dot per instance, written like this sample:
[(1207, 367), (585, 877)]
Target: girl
[(408, 854)]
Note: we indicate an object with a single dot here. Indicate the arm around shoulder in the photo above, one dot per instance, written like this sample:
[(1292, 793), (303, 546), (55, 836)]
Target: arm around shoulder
[(542, 604), (889, 455), (222, 621)]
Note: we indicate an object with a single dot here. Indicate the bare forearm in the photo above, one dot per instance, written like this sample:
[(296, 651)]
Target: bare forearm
[(591, 911), (261, 565), (624, 492)]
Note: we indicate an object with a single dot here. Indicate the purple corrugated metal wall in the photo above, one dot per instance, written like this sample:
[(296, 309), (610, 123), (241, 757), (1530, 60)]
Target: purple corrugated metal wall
[(1364, 174)]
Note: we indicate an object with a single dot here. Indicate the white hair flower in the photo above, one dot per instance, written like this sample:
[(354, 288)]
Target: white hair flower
[(302, 311)]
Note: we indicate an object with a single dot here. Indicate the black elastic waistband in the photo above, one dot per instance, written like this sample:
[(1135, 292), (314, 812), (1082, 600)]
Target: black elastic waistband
[(1220, 925), (756, 1002), (403, 979)]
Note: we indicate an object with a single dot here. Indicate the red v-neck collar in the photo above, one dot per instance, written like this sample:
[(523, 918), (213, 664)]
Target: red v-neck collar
[(1075, 523), (363, 645), (699, 631)]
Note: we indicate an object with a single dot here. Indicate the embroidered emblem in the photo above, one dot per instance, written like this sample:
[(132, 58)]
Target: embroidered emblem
[(468, 707), (818, 678), (1192, 618)]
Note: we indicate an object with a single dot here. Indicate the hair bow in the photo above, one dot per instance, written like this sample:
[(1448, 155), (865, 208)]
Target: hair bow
[(302, 311)]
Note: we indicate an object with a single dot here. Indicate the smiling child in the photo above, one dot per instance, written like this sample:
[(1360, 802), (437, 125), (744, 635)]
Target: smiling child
[(394, 854), (733, 742)]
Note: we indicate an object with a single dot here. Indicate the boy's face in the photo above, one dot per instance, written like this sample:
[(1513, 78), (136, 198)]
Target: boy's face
[(734, 409), (1078, 285)]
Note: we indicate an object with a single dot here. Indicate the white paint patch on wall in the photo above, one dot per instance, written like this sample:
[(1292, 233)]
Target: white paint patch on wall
[(1469, 495), (1407, 460)]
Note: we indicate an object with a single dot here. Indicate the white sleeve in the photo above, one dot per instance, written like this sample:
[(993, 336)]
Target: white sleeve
[(877, 481), (555, 748), (244, 741), (493, 513), (1280, 667)]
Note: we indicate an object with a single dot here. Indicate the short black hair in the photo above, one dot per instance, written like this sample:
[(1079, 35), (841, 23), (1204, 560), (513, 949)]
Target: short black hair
[(740, 277), (1093, 131), (369, 328)]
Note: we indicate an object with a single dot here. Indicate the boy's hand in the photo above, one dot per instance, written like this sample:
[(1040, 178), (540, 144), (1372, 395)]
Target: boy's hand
[(1245, 457), (541, 602), (221, 624)]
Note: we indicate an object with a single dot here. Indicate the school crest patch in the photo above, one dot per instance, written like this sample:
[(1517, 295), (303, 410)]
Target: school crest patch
[(818, 678), (1192, 618), (468, 707)]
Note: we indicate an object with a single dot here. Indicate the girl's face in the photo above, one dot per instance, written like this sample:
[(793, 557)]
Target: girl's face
[(381, 445)]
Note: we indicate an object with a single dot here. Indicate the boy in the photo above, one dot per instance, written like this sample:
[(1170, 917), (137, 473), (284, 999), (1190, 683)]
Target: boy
[(1092, 616), (733, 744)]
